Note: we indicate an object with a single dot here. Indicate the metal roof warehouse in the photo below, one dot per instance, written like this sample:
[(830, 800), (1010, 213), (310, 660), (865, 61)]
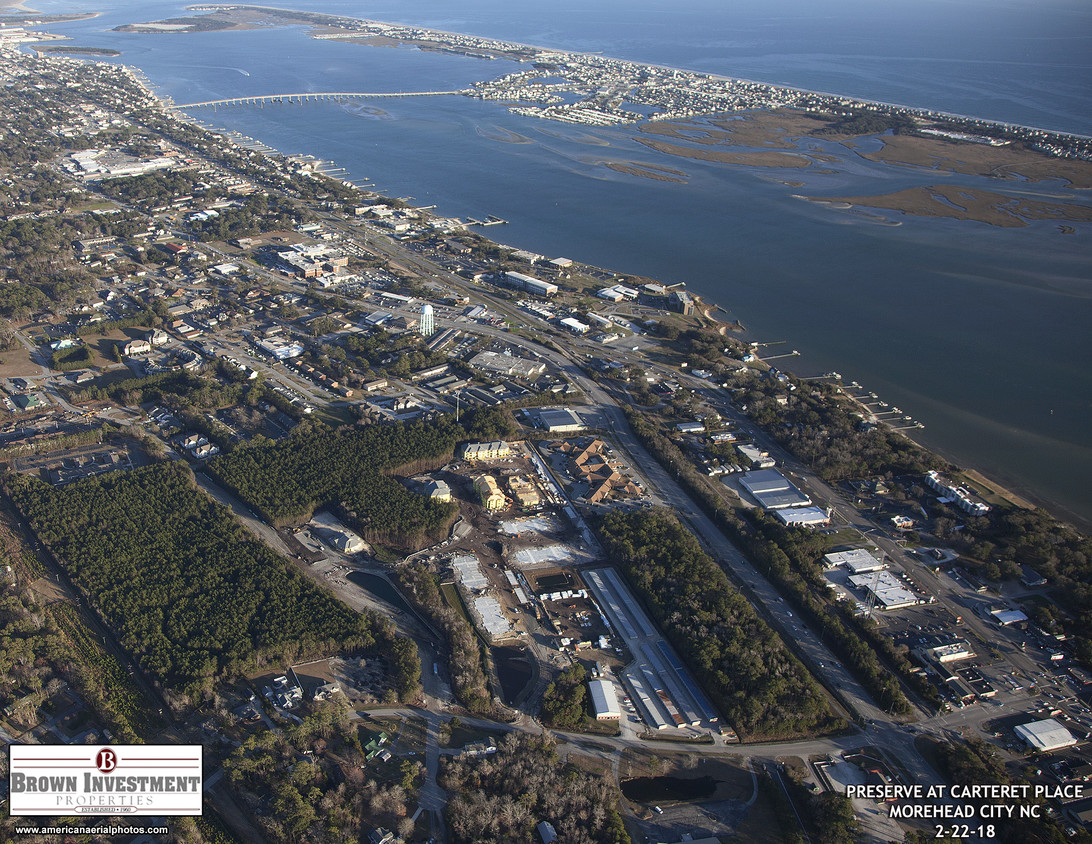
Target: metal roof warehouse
[(773, 490), (1045, 735)]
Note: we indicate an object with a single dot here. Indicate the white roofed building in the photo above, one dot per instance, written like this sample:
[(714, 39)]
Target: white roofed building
[(889, 592), (803, 517), (1008, 617), (604, 700), (857, 560), (1043, 736), (535, 286), (772, 490)]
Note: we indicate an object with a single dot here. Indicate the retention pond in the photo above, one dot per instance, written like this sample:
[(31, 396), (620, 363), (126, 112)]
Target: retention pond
[(663, 789)]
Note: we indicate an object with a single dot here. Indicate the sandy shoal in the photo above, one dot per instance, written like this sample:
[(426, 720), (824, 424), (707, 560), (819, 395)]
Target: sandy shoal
[(962, 203)]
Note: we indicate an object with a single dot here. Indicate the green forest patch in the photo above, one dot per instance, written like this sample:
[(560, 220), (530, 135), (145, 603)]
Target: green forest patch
[(760, 687), (287, 481), (184, 586)]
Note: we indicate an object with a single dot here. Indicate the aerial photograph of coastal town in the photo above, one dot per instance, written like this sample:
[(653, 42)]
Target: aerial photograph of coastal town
[(500, 422)]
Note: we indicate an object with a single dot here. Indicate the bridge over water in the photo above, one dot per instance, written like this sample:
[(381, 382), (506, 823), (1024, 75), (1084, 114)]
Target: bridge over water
[(312, 96)]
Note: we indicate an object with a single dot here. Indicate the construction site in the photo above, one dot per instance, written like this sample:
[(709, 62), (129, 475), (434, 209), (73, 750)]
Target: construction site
[(532, 572)]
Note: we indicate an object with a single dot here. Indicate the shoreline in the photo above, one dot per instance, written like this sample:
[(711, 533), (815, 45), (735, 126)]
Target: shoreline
[(709, 306), (317, 19), (1016, 493)]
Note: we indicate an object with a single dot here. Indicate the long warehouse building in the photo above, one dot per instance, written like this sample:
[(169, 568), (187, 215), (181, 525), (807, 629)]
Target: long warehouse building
[(662, 688)]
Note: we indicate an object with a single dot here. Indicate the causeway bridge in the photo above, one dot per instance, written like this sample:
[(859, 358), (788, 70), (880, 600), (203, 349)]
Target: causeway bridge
[(311, 96)]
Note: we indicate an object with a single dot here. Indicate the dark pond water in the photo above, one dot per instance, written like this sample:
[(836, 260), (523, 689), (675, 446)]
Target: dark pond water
[(378, 587), (513, 670), (554, 582), (653, 789)]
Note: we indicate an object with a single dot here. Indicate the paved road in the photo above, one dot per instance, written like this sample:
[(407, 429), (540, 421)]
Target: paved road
[(432, 798), (762, 593)]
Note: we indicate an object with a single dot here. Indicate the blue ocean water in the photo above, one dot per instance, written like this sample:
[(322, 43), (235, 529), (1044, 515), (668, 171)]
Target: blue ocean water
[(980, 332), (1020, 61)]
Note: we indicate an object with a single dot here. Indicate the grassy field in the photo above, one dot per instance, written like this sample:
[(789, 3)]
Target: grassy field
[(102, 345), (16, 363), (335, 416), (455, 601), (992, 492), (462, 735), (407, 735)]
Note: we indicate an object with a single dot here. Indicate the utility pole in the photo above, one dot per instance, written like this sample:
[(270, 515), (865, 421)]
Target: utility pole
[(872, 595)]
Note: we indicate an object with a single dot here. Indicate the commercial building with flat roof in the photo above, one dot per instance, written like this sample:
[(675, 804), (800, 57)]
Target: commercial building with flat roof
[(857, 560), (890, 594), (1045, 735), (1007, 617), (604, 700), (772, 490), (759, 458), (535, 286), (803, 517), (951, 652), (280, 350), (663, 690), (559, 419), (498, 364)]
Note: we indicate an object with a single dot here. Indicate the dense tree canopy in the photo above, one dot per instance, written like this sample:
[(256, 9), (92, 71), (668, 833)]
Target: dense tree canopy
[(788, 557), (347, 470), (468, 678), (565, 703), (749, 673), (185, 586), (975, 762), (827, 433), (502, 797), (331, 794)]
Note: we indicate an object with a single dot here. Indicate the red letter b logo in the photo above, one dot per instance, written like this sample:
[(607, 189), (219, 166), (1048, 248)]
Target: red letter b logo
[(106, 760)]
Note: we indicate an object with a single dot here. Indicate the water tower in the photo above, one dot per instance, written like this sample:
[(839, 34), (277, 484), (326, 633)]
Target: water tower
[(428, 321)]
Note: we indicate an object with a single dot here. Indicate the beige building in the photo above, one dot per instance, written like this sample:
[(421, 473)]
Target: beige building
[(523, 491), (486, 451), (438, 490), (490, 494)]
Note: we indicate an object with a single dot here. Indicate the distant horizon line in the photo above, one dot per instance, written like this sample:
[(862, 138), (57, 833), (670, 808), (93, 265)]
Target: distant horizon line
[(602, 54)]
